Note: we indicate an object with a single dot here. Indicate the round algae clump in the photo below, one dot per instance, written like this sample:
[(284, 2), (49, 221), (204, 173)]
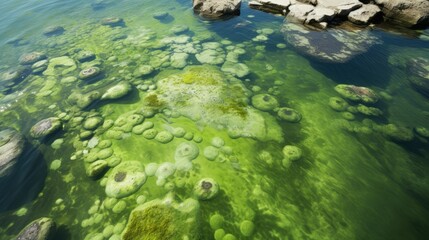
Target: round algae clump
[(92, 123), (246, 228), (292, 153), (105, 153), (119, 207), (211, 153), (125, 179), (229, 236), (289, 114), (219, 234), (264, 102), (151, 169), (164, 137), (338, 104), (150, 133), (206, 189), (217, 142), (216, 221)]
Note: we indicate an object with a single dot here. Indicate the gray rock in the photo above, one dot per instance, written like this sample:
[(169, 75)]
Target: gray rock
[(410, 13), (364, 15), (214, 9), (299, 12), (341, 7), (45, 127), (320, 14), (40, 229), (274, 6), (30, 58), (11, 146)]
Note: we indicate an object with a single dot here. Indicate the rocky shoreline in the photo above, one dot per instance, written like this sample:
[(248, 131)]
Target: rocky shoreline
[(324, 13)]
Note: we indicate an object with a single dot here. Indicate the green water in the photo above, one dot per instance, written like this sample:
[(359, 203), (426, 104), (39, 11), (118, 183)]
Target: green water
[(352, 182)]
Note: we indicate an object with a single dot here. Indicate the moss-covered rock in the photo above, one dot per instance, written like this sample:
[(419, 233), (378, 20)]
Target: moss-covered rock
[(289, 115), (119, 90), (39, 229), (206, 189), (163, 220), (125, 179), (357, 93), (45, 127), (338, 104), (265, 102)]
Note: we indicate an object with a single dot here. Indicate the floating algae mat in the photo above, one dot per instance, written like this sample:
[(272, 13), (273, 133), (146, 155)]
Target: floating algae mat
[(137, 119)]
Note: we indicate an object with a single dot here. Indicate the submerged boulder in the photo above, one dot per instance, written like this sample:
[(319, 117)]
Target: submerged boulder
[(332, 45), (30, 58), (418, 74), (205, 95), (214, 9), (11, 147), (39, 229), (164, 220), (357, 93), (125, 179), (45, 127), (119, 90)]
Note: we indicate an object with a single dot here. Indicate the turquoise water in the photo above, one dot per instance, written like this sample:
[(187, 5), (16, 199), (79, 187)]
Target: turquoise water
[(353, 181)]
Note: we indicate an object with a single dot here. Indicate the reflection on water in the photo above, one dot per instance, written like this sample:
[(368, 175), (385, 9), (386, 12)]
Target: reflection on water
[(227, 126)]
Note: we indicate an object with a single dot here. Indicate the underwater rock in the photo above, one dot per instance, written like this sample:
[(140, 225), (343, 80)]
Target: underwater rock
[(184, 154), (217, 142), (211, 56), (338, 104), (160, 15), (289, 115), (237, 69), (178, 60), (119, 90), (164, 171), (422, 132), (11, 77), (164, 219), (369, 111), (112, 21), (53, 31), (332, 45), (179, 29), (215, 9), (11, 147), (39, 229), (164, 137), (246, 228), (265, 102), (396, 133), (290, 154), (206, 189), (143, 70), (39, 66), (125, 179), (89, 73), (92, 123), (85, 56), (211, 153), (30, 58), (205, 95), (60, 66), (45, 127), (97, 169), (418, 75), (84, 100), (356, 93)]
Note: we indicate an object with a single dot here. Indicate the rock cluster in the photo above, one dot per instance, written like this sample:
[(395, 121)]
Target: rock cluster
[(214, 9), (321, 13)]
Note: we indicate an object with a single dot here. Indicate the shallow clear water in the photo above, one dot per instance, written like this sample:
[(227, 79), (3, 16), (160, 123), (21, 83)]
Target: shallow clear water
[(352, 181)]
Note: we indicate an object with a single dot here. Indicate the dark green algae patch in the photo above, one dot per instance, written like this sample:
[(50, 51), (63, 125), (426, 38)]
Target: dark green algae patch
[(165, 111)]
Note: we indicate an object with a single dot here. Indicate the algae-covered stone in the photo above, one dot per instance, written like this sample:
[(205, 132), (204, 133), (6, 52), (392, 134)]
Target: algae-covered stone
[(289, 114), (185, 153), (143, 70), (211, 56), (11, 147), (125, 179), (119, 90), (348, 116), (53, 31), (85, 56), (60, 66), (150, 133), (97, 168), (211, 153), (237, 69), (39, 66), (265, 102), (112, 21), (338, 104), (357, 93), (164, 220), (216, 221), (206, 189), (165, 170), (45, 127), (369, 111), (30, 58), (92, 123), (422, 131), (119, 207), (246, 228), (290, 154), (418, 74), (89, 73), (164, 137), (105, 153), (219, 234), (178, 132), (39, 229), (396, 133)]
